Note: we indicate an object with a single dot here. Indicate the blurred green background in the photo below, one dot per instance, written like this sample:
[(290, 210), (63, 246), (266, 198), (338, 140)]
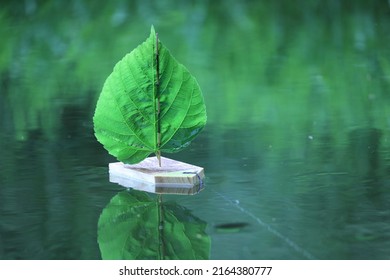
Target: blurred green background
[(297, 142)]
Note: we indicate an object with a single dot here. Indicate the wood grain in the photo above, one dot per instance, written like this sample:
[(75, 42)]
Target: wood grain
[(173, 177)]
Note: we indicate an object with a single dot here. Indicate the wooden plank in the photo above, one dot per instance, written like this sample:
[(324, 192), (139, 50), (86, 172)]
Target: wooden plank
[(173, 177)]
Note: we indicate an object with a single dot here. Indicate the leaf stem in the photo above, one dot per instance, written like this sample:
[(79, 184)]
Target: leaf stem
[(158, 126)]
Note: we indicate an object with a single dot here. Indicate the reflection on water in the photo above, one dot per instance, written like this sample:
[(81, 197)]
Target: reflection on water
[(296, 151), (134, 226)]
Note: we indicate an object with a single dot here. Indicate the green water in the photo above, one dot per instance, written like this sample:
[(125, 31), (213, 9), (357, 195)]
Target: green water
[(296, 149)]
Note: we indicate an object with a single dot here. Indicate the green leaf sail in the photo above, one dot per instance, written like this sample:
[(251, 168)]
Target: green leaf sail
[(136, 104)]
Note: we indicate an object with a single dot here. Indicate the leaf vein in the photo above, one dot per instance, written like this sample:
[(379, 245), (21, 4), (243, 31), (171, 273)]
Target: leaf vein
[(126, 121)]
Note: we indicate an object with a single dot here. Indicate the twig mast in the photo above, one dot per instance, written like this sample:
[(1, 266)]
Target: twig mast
[(158, 135)]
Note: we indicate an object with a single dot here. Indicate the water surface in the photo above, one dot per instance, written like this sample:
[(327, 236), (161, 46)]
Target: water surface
[(296, 150)]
